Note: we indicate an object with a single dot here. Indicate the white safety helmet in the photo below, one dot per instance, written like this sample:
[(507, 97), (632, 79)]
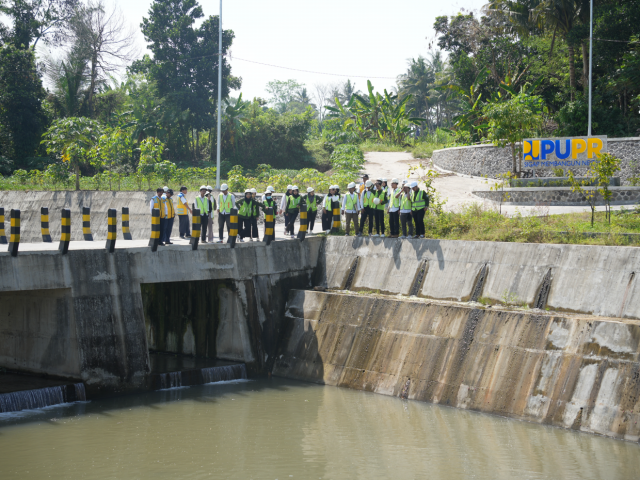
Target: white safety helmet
[(384, 180), (270, 189), (295, 187), (310, 189), (289, 187), (202, 187), (224, 187), (376, 201), (351, 185), (395, 180), (165, 188), (210, 188), (334, 187), (380, 180), (253, 190), (405, 181), (248, 190), (368, 183), (413, 184)]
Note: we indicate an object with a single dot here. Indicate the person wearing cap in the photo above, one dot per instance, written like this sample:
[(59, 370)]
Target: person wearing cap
[(394, 208), (293, 207), (283, 208), (350, 207), (183, 210), (156, 202), (327, 210), (312, 200), (419, 205), (363, 186), (245, 211), (368, 207), (379, 202), (170, 214), (226, 201), (202, 204), (405, 210), (212, 211)]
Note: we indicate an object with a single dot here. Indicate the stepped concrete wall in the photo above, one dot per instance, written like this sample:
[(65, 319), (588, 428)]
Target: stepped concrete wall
[(573, 371)]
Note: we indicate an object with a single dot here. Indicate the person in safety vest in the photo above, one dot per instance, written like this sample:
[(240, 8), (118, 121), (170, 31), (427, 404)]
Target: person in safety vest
[(170, 214), (405, 210), (156, 202), (350, 207), (366, 200), (226, 201), (183, 210), (269, 191), (394, 208), (363, 186), (283, 208), (255, 213), (313, 201), (419, 205), (202, 204), (245, 211), (212, 209), (327, 210), (293, 207), (268, 201), (379, 201)]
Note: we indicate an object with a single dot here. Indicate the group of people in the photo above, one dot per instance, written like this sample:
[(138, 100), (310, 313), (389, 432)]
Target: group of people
[(406, 205)]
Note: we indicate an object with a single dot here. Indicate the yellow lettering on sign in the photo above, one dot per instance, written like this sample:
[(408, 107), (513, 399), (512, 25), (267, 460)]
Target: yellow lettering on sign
[(578, 146), (594, 147)]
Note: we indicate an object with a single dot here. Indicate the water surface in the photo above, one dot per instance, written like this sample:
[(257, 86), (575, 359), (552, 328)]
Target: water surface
[(280, 429)]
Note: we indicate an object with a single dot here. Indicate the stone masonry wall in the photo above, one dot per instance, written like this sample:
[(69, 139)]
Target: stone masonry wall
[(558, 196)]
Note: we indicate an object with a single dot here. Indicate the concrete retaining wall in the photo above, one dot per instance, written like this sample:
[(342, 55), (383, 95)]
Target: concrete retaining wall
[(569, 371), (558, 196), (490, 161)]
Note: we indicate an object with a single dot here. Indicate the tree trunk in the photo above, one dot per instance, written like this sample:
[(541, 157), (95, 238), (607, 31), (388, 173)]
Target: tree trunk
[(572, 71), (585, 68), (553, 41), (513, 158), (197, 144), (92, 86), (77, 172)]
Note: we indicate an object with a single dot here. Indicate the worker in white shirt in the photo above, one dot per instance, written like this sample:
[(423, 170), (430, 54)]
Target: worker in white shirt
[(394, 208), (226, 201), (212, 210), (283, 208), (405, 210), (351, 206), (183, 210), (157, 202), (327, 211)]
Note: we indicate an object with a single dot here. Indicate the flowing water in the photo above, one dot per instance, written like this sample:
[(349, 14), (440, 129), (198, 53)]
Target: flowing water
[(280, 429)]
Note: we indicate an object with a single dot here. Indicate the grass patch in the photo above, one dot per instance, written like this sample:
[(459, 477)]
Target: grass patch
[(372, 146)]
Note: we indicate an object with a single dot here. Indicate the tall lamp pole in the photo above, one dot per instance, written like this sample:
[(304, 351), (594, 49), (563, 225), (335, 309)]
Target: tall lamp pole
[(220, 98), (590, 64)]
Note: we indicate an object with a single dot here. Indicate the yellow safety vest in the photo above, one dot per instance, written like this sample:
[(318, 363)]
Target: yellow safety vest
[(171, 212), (203, 205), (225, 204), (418, 201), (293, 202), (395, 202), (406, 203), (349, 202), (157, 203), (367, 199), (181, 208), (311, 203), (380, 194)]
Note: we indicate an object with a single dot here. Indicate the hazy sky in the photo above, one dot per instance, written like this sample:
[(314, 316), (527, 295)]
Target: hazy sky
[(348, 38)]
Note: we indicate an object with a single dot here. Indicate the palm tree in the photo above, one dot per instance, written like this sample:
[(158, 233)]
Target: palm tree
[(70, 79)]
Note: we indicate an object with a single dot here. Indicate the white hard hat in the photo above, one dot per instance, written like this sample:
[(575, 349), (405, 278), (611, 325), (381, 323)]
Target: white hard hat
[(384, 179), (270, 189), (209, 187), (165, 188), (253, 190), (380, 180), (405, 181), (395, 180), (368, 183), (351, 185), (295, 187), (224, 187), (334, 186), (376, 201), (413, 184), (289, 187), (203, 187), (309, 189), (248, 190)]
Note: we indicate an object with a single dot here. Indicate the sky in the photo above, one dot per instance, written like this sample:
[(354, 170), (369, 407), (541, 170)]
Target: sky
[(346, 38)]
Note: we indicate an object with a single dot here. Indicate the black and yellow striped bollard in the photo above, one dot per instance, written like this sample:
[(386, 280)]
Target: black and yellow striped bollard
[(304, 222), (3, 237), (86, 224), (65, 230), (112, 230), (44, 224), (126, 234), (155, 230), (195, 228), (14, 237), (233, 228), (269, 226), (335, 206)]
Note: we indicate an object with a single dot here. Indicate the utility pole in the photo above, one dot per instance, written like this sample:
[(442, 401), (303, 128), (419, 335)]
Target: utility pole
[(590, 64), (220, 98)]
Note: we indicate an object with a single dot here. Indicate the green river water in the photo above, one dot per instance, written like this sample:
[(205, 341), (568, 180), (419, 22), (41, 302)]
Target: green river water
[(280, 429)]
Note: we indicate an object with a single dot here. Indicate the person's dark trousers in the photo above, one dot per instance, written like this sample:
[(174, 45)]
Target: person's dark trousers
[(418, 218), (292, 222), (245, 230), (367, 213), (168, 229), (204, 222), (327, 221), (163, 225), (222, 219), (405, 219), (183, 226), (286, 223), (311, 217), (254, 227), (379, 215), (394, 222)]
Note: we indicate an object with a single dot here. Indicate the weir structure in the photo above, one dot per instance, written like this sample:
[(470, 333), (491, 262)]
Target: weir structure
[(543, 333)]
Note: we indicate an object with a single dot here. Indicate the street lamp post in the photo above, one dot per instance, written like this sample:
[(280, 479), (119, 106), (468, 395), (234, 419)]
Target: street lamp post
[(220, 98), (590, 64)]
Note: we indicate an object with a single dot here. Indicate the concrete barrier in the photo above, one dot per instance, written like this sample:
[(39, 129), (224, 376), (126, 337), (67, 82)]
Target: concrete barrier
[(569, 371)]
